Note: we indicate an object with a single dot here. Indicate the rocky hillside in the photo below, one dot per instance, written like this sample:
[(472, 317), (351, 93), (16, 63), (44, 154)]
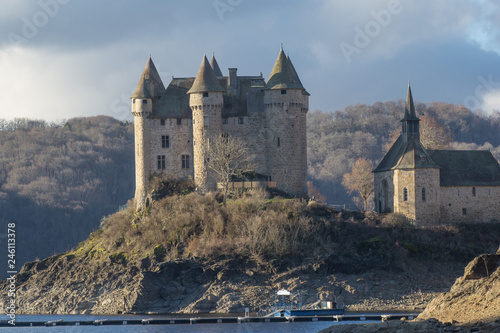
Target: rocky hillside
[(475, 296), (189, 253), (471, 305)]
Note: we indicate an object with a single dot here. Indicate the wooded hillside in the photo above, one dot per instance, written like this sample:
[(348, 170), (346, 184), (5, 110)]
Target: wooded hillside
[(58, 180), (337, 139)]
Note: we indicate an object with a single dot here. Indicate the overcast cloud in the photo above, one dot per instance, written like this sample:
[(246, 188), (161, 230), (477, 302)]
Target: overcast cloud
[(66, 58)]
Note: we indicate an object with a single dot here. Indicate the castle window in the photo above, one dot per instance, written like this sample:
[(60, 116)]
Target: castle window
[(162, 122), (161, 162), (165, 141), (241, 120), (224, 120), (458, 192), (133, 101), (185, 161), (464, 211), (279, 142), (423, 194), (405, 194), (205, 94), (473, 191), (144, 101), (179, 121), (283, 91)]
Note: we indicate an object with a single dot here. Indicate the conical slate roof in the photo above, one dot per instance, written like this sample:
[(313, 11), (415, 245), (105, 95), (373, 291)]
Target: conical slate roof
[(205, 80), (283, 75), (150, 84), (410, 107), (215, 66)]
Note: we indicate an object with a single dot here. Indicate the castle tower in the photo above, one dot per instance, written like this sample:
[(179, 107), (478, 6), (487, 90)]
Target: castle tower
[(144, 98), (286, 103), (206, 102)]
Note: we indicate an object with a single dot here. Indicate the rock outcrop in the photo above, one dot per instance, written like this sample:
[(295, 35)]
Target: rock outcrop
[(66, 284), (475, 296)]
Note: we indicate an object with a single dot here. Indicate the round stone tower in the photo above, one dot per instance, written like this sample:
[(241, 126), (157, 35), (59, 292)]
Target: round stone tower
[(206, 102), (286, 105), (146, 94)]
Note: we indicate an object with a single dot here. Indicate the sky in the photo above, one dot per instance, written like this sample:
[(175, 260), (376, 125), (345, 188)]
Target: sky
[(61, 59)]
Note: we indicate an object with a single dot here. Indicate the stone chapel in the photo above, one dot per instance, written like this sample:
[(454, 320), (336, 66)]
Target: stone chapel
[(436, 186)]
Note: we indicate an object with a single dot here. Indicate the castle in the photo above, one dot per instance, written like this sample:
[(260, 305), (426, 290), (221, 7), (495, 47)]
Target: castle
[(436, 186), (173, 126)]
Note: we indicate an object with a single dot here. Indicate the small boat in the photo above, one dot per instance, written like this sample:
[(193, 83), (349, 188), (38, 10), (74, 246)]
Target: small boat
[(287, 304)]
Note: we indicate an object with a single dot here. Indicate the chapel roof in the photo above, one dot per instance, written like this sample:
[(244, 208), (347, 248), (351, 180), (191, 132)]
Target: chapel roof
[(467, 167)]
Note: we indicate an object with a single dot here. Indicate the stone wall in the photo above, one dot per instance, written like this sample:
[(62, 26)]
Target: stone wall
[(285, 115), (207, 123), (252, 133), (427, 196), (141, 109), (180, 139), (404, 179), (384, 191), (459, 204)]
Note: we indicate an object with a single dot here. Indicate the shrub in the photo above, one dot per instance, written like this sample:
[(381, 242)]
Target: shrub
[(396, 220)]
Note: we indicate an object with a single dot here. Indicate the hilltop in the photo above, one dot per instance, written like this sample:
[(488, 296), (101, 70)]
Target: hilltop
[(189, 253)]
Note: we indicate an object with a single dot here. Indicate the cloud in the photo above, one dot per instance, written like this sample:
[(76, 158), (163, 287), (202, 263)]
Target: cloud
[(485, 30)]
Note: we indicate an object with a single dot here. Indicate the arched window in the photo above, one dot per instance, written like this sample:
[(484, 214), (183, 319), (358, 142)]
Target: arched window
[(405, 194)]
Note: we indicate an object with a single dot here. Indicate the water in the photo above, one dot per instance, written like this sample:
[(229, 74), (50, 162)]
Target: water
[(299, 327)]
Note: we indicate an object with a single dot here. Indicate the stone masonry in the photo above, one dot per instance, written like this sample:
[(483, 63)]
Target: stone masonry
[(174, 125), (436, 186)]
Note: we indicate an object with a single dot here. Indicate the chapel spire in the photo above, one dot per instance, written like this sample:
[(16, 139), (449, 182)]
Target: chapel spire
[(410, 122)]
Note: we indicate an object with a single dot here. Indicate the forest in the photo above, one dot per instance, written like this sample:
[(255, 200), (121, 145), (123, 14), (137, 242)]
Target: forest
[(59, 180), (335, 140)]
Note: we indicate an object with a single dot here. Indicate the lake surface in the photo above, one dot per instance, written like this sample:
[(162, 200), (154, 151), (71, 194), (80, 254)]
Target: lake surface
[(298, 327)]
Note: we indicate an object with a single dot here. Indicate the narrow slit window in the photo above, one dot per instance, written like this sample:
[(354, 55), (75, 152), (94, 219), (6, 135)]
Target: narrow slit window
[(185, 161), (473, 191), (424, 194), (179, 121), (405, 194)]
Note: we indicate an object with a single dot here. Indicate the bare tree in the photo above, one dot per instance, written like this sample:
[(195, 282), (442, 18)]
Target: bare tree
[(228, 157), (360, 180), (433, 135)]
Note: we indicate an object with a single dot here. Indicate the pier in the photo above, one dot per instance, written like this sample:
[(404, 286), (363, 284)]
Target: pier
[(211, 320)]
